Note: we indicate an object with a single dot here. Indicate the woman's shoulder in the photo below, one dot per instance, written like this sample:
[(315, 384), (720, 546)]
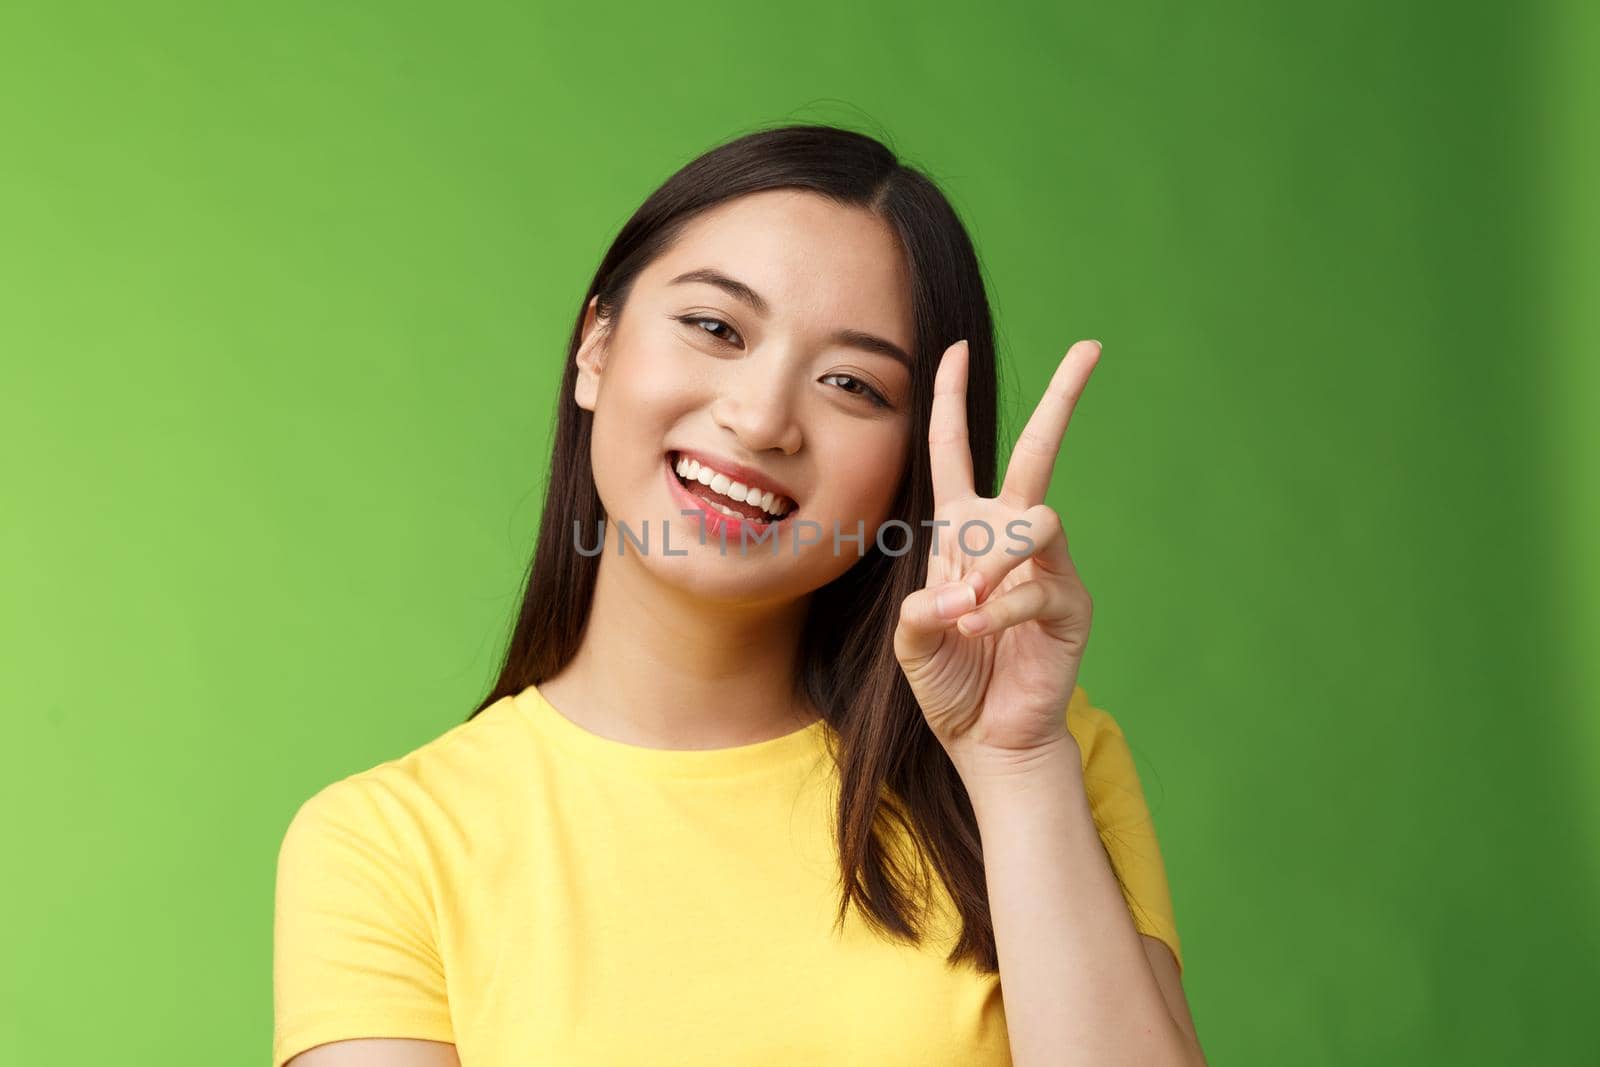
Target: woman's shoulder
[(1123, 816), (431, 787), (1087, 722), (1107, 757)]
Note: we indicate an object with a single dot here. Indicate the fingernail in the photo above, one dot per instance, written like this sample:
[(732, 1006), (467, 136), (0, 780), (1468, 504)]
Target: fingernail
[(973, 624), (955, 601)]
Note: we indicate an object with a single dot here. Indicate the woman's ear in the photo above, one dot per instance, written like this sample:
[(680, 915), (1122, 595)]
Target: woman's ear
[(590, 357)]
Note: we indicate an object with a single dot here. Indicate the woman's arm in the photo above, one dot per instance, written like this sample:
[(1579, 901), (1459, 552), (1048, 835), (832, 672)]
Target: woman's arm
[(991, 647), (1077, 982)]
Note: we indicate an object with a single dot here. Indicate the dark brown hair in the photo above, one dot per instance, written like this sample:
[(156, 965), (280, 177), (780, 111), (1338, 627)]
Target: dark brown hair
[(892, 770)]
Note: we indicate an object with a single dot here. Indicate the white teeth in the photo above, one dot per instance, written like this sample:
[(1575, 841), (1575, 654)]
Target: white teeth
[(765, 499)]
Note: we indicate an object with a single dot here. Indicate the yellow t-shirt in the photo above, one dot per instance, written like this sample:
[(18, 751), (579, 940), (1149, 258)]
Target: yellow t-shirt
[(538, 894)]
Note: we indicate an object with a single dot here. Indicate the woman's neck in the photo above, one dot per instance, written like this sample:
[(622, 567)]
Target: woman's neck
[(661, 668)]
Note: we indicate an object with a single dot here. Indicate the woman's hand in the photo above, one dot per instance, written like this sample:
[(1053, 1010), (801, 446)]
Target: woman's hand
[(992, 643)]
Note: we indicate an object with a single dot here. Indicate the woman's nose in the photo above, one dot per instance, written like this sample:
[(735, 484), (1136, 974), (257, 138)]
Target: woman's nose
[(759, 408)]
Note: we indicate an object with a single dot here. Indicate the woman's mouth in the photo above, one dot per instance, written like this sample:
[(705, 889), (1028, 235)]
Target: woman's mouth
[(720, 494)]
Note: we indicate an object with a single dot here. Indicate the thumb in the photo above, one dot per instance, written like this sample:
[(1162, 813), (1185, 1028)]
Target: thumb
[(926, 615)]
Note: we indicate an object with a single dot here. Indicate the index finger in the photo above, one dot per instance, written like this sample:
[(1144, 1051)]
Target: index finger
[(948, 447)]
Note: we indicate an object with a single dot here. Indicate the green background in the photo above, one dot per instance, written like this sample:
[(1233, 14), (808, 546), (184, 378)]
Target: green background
[(284, 290)]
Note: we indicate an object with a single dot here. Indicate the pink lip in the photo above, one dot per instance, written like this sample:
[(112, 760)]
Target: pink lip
[(717, 525), (739, 472)]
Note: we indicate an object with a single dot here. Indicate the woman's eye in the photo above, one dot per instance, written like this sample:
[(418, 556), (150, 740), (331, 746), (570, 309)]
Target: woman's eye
[(856, 386), (695, 320), (866, 390)]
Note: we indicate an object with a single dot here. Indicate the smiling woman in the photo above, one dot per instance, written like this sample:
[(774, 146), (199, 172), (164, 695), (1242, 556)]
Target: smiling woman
[(776, 806), (774, 397)]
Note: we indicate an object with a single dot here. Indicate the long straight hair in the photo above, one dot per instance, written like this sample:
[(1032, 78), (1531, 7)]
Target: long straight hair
[(892, 770)]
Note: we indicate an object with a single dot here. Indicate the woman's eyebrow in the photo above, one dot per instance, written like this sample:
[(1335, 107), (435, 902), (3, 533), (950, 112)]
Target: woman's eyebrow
[(740, 291), (732, 286)]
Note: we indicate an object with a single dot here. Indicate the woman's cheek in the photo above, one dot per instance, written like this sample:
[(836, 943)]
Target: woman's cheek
[(876, 482), (660, 386)]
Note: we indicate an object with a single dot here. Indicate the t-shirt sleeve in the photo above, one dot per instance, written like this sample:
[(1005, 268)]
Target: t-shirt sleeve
[(1122, 816), (354, 946)]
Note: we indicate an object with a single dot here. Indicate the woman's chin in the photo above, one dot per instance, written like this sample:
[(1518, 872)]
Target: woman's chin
[(722, 580)]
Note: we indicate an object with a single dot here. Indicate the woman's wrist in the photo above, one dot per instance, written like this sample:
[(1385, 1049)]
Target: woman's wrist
[(999, 778)]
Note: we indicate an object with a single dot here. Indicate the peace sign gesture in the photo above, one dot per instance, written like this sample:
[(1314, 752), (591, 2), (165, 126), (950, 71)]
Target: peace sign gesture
[(992, 643)]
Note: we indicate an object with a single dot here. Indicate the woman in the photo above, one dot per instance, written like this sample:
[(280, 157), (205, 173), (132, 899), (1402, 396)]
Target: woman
[(787, 762)]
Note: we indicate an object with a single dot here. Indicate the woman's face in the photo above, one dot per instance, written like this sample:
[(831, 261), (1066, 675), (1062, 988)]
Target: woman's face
[(774, 373)]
